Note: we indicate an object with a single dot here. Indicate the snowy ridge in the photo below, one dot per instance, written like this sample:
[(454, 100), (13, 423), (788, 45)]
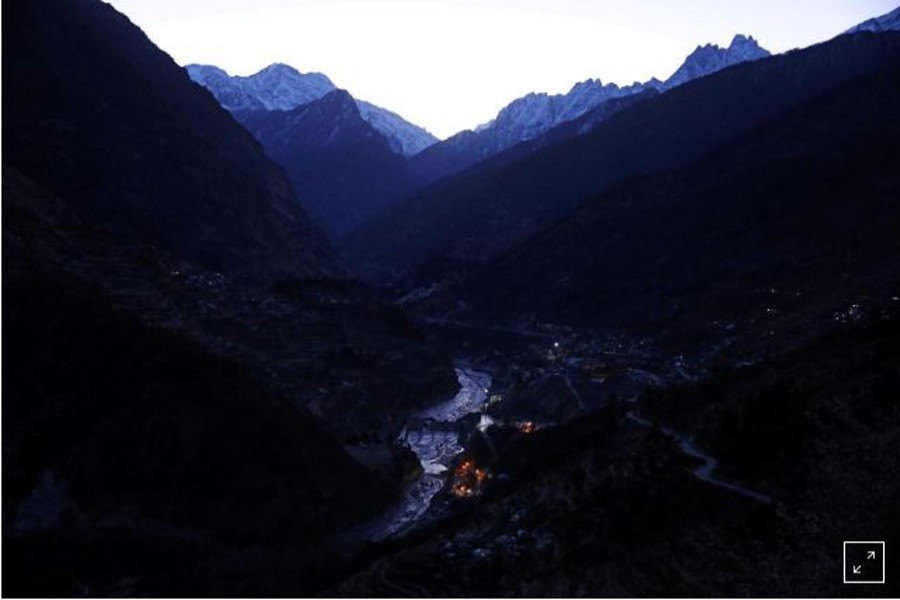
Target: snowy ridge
[(405, 138), (281, 87), (535, 114), (531, 116), (277, 87), (888, 22), (708, 59)]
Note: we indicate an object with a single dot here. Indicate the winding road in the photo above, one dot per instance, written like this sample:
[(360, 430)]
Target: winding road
[(705, 471)]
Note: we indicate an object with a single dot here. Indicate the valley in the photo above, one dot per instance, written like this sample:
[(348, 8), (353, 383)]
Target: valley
[(265, 339)]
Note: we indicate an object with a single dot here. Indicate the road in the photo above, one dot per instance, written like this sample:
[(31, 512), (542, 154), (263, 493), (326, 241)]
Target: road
[(705, 471)]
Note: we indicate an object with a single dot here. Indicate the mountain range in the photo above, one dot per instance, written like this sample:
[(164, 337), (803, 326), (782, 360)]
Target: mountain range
[(281, 87), (533, 115), (486, 210), (707, 243), (344, 173)]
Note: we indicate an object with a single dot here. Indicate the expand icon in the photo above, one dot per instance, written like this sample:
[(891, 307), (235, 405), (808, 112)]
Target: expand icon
[(864, 562)]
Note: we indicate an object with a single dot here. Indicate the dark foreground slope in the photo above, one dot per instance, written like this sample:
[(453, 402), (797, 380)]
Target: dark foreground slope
[(778, 230), (477, 214), (342, 168), (97, 114), (134, 458), (182, 371)]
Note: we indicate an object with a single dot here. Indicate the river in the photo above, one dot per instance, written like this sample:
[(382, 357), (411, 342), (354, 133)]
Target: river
[(435, 437)]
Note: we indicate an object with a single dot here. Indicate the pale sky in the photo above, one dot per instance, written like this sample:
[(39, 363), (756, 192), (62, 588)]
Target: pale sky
[(449, 65)]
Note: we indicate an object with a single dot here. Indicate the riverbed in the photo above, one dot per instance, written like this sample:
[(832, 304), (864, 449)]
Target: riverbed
[(435, 436)]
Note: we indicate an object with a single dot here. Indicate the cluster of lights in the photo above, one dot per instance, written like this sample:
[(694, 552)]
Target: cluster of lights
[(468, 479)]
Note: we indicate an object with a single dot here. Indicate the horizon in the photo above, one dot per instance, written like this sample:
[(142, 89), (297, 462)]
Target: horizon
[(452, 80)]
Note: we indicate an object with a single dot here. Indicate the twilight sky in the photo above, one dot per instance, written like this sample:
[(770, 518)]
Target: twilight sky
[(449, 65)]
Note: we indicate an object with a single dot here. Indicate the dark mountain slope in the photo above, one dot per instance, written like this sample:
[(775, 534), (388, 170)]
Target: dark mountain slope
[(479, 214), (798, 216), (524, 119), (131, 449), (97, 114), (468, 148), (342, 168), (171, 320)]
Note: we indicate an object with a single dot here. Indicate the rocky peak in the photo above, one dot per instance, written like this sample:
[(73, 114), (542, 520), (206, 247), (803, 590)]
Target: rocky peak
[(709, 58)]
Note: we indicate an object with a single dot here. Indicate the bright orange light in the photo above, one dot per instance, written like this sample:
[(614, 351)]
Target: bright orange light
[(468, 479)]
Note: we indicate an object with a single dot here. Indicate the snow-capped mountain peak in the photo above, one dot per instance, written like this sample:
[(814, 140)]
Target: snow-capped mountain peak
[(535, 114), (277, 87), (745, 45), (282, 87), (710, 58)]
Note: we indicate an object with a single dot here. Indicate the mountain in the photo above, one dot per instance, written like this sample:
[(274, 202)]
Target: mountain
[(770, 236), (142, 153), (340, 165), (281, 87), (524, 119), (533, 115), (404, 137), (710, 58), (185, 372), (484, 211), (277, 87), (887, 22)]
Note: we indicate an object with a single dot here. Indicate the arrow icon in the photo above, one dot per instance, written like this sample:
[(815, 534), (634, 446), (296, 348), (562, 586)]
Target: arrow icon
[(871, 555), (857, 569)]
